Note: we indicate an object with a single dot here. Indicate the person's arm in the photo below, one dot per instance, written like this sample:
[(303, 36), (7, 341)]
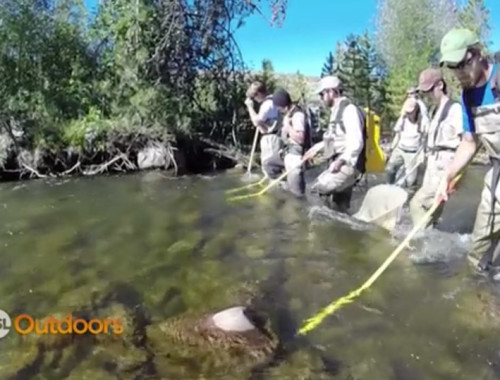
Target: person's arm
[(297, 129), (397, 133), (353, 137), (465, 152), (258, 119), (456, 123)]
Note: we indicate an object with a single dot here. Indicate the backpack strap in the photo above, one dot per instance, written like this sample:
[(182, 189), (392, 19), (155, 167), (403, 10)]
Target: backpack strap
[(307, 133), (445, 111), (442, 117), (361, 164), (496, 81), (340, 113)]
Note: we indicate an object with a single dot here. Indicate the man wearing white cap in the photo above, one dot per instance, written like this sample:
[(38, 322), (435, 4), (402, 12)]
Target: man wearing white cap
[(343, 145), (410, 131)]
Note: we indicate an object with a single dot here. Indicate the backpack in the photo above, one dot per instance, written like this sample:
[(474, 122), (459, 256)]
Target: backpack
[(312, 119), (496, 82), (308, 131), (361, 163)]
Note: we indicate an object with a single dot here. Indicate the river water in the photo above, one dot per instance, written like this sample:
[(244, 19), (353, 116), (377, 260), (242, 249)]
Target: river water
[(156, 247)]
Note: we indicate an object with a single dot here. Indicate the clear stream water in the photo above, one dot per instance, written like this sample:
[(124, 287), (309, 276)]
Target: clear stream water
[(151, 247)]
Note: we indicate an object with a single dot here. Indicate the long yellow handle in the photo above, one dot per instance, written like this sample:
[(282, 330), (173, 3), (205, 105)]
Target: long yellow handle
[(273, 183), (254, 145), (314, 321)]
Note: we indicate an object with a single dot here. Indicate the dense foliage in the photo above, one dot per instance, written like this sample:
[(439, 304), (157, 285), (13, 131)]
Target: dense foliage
[(134, 71), (80, 88)]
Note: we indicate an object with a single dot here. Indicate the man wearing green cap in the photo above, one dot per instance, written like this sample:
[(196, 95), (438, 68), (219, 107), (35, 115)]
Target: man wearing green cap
[(480, 80)]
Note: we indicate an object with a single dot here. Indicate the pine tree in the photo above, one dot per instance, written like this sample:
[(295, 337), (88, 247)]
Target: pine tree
[(328, 66), (267, 75)]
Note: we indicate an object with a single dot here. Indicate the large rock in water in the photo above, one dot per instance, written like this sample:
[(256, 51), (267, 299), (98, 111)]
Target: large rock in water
[(220, 341), (153, 156)]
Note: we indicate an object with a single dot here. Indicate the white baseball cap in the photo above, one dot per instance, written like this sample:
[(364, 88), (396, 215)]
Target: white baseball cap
[(328, 82)]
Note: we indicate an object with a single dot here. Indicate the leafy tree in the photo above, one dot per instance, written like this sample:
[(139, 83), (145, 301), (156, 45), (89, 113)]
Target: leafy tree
[(475, 16)]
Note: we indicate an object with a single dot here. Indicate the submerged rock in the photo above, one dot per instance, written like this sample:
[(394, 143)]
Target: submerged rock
[(232, 337)]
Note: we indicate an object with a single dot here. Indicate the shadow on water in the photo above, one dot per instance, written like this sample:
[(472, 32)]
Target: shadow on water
[(274, 299)]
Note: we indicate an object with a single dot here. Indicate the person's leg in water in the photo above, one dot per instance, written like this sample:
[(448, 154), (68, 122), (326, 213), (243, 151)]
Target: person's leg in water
[(336, 187), (396, 160), (410, 160), (272, 164), (342, 200), (484, 255), (424, 198), (295, 180)]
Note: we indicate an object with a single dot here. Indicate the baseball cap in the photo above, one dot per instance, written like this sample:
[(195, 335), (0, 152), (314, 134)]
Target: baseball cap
[(281, 98), (409, 105), (455, 43), (428, 78), (328, 82)]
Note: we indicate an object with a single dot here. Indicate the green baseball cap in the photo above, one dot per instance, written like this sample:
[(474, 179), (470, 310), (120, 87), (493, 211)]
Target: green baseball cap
[(455, 43)]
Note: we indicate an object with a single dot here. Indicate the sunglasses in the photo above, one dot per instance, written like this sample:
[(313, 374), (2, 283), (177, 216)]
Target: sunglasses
[(462, 64)]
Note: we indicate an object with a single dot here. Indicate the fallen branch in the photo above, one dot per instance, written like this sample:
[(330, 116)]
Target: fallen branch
[(69, 171), (33, 171), (224, 151), (104, 166)]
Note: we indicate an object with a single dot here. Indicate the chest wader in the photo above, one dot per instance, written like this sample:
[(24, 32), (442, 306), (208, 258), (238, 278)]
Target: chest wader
[(435, 146), (393, 168), (273, 165), (487, 126), (334, 139)]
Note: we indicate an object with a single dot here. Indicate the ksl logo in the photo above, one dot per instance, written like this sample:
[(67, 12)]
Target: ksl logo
[(5, 324)]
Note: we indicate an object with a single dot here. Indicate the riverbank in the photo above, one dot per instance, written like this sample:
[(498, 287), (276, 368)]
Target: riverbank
[(126, 152), (116, 153)]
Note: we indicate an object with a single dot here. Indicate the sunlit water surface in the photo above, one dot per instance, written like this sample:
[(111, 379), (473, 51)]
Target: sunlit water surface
[(153, 247)]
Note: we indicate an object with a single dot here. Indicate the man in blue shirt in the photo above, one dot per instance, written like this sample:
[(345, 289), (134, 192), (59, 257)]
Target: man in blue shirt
[(480, 81)]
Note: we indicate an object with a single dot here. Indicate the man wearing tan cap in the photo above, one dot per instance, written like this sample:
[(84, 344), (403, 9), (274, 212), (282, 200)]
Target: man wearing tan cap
[(442, 142), (461, 52), (410, 130), (268, 121), (343, 144), (413, 92)]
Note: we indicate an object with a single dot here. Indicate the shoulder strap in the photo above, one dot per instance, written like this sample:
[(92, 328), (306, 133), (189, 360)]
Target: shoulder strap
[(496, 82), (297, 108), (446, 110), (338, 118)]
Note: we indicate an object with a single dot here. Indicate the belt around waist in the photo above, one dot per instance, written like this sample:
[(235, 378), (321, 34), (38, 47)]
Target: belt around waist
[(409, 150), (270, 133), (441, 149)]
